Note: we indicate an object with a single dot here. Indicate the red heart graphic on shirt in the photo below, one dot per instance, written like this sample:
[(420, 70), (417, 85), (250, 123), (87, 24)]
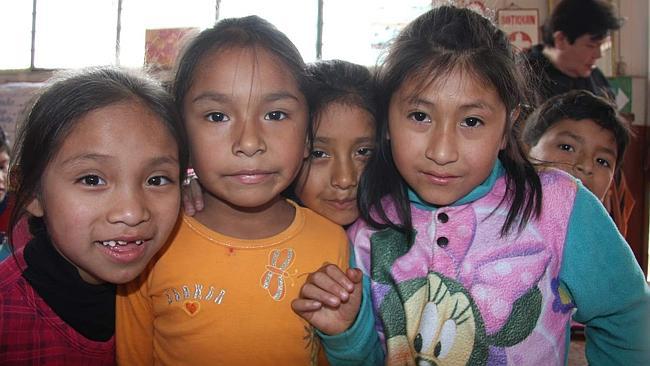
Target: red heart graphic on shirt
[(191, 307)]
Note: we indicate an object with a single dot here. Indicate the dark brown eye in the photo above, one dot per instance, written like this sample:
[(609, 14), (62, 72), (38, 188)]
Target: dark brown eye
[(419, 116), (91, 180), (217, 117), (472, 122)]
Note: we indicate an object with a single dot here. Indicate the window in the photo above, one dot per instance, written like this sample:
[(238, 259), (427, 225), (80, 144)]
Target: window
[(77, 33), (15, 34), (358, 31), (297, 19), (74, 33), (139, 15)]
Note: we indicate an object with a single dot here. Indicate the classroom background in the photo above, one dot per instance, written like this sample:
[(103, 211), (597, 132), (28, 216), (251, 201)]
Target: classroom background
[(39, 37)]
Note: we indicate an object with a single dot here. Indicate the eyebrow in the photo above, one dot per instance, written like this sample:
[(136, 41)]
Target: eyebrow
[(159, 160), (86, 157), (358, 140), (222, 98), (477, 104)]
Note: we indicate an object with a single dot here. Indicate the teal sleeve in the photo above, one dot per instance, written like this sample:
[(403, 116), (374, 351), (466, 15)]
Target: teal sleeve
[(607, 285), (360, 344)]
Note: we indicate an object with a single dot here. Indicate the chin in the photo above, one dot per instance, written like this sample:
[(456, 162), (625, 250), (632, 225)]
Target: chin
[(123, 277), (345, 221), (586, 73)]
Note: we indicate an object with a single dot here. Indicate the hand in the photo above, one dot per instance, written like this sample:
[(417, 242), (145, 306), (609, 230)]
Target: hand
[(192, 196), (330, 299)]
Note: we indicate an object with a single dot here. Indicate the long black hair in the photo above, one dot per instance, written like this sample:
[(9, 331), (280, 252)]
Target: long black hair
[(432, 45)]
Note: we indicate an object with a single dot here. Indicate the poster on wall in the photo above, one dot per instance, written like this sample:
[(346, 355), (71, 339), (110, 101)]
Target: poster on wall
[(521, 26), (162, 46)]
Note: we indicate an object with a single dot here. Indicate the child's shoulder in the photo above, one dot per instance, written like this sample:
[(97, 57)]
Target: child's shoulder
[(11, 269), (313, 219), (553, 178)]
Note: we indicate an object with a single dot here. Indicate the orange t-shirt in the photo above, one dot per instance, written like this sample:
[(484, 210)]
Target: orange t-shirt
[(217, 300)]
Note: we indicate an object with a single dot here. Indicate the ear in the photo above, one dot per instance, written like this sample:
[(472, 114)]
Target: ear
[(35, 208), (560, 40)]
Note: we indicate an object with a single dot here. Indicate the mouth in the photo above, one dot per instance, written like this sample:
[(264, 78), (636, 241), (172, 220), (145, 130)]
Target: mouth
[(343, 204), (251, 176), (113, 243), (124, 250), (440, 178)]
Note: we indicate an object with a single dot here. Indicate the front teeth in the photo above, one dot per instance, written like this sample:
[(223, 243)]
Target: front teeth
[(113, 243)]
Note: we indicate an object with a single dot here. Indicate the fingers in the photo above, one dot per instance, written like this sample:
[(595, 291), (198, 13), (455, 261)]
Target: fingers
[(197, 194), (329, 286), (192, 196), (355, 275), (345, 284), (188, 204), (305, 305)]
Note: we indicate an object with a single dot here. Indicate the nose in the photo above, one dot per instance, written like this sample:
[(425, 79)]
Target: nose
[(584, 166), (442, 146), (248, 139), (129, 207), (344, 174)]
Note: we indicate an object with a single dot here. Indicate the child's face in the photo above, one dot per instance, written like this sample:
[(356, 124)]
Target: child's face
[(581, 148), (328, 180), (246, 120), (4, 172), (111, 196), (446, 139)]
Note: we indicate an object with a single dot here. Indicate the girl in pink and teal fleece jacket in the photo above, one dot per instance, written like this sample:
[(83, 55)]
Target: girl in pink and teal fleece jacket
[(469, 255)]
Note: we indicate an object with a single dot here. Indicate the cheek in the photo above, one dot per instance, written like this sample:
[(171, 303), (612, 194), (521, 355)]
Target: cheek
[(402, 151), (312, 184), (168, 204), (71, 220), (604, 182)]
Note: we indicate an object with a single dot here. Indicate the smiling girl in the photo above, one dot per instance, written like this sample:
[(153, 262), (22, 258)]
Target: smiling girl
[(97, 170)]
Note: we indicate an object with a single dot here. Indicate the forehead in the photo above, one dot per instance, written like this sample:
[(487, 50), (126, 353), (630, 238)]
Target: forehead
[(350, 120), (226, 67), (456, 85), (587, 129), (127, 123)]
